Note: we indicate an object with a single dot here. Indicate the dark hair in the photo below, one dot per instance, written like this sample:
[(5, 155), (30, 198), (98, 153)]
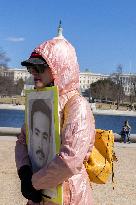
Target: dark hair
[(126, 121), (40, 105)]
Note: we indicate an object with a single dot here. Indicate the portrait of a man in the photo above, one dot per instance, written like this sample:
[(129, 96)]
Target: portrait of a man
[(40, 133), (43, 130)]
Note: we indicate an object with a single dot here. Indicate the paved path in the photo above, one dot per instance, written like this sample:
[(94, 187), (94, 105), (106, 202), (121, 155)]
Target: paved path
[(125, 177), (115, 112), (95, 111), (125, 145)]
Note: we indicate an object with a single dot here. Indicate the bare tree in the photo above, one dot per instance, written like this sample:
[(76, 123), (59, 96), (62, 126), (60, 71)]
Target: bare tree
[(19, 86), (3, 59), (117, 78), (6, 86), (6, 80), (132, 96)]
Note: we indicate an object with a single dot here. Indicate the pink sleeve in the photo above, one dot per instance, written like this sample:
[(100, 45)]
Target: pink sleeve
[(77, 136), (21, 153)]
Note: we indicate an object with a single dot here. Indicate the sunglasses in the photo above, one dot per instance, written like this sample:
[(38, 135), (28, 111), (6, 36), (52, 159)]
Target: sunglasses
[(37, 68)]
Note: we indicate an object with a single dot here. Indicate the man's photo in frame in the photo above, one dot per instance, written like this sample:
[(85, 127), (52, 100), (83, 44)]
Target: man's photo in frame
[(41, 131)]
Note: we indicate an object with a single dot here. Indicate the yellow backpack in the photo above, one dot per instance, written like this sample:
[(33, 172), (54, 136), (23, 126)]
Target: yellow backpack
[(100, 163)]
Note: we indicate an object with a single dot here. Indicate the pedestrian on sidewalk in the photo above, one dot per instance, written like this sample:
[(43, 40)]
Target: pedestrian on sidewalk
[(125, 132)]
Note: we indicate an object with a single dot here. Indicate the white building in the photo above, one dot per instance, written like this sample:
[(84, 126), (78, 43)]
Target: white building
[(87, 78), (5, 72), (20, 73), (127, 80)]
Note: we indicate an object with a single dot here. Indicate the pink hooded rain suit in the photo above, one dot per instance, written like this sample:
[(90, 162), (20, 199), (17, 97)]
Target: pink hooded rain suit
[(77, 129)]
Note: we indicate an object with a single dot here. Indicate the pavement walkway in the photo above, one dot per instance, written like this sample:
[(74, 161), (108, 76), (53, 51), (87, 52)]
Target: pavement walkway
[(95, 111), (125, 177)]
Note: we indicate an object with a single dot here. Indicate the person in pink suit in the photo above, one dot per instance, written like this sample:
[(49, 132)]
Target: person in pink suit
[(54, 62)]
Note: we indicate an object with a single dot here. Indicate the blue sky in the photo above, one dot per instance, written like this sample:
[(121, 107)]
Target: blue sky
[(103, 32)]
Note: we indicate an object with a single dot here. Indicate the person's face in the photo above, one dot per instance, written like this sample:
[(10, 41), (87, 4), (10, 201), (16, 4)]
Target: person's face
[(40, 138), (42, 80)]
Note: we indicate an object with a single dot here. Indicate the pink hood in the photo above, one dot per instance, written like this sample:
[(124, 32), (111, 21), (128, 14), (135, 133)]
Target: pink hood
[(61, 58)]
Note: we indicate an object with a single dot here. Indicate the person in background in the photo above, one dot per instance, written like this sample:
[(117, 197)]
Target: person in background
[(54, 62), (125, 132)]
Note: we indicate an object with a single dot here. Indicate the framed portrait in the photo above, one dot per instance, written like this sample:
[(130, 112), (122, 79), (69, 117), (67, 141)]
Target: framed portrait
[(43, 132)]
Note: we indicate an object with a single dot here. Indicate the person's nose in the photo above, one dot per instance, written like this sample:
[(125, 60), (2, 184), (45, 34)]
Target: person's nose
[(40, 141)]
